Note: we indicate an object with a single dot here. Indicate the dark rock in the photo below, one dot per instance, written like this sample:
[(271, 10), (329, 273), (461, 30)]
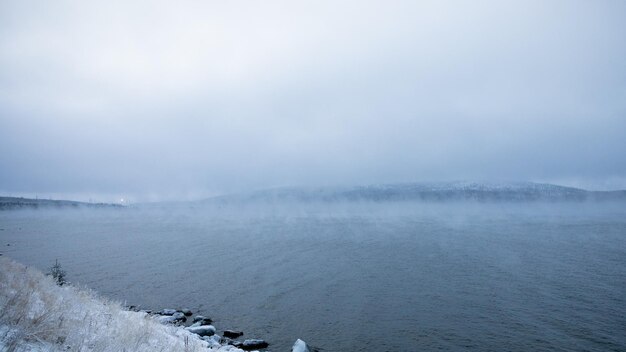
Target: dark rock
[(232, 334), (253, 344), (187, 312)]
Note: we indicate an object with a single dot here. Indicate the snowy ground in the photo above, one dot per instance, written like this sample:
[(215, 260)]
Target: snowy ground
[(38, 315)]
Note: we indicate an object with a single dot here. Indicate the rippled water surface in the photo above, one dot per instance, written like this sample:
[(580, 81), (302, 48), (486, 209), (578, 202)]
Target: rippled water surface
[(355, 277)]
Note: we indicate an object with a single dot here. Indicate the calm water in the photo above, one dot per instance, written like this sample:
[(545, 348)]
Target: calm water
[(389, 277)]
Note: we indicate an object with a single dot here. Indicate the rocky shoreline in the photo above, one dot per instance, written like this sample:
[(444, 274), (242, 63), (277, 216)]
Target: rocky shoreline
[(229, 340), (37, 314)]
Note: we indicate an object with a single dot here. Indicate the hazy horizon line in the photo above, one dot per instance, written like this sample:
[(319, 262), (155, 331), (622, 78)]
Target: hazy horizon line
[(134, 198)]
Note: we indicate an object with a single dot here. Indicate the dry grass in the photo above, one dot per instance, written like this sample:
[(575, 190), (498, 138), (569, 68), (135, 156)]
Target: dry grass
[(38, 315)]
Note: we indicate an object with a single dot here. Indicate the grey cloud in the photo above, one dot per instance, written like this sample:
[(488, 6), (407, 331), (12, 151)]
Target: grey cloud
[(183, 100)]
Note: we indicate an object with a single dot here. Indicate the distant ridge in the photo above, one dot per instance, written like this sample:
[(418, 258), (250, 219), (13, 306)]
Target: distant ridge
[(434, 191), (10, 203)]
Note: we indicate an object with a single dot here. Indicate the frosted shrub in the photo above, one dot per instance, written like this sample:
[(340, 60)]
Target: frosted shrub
[(57, 273)]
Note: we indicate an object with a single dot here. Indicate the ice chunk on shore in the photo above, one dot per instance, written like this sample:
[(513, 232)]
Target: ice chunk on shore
[(300, 346)]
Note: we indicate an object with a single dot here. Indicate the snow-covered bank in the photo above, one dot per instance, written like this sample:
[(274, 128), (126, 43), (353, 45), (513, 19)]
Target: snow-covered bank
[(38, 315)]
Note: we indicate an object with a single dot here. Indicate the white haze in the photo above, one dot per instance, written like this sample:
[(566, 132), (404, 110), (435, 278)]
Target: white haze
[(176, 100)]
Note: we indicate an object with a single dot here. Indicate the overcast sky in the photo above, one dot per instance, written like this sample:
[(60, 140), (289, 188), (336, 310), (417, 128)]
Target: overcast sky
[(184, 99)]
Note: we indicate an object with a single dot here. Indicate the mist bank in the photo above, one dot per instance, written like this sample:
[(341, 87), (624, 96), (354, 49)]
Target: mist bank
[(433, 192), (424, 192), (11, 203)]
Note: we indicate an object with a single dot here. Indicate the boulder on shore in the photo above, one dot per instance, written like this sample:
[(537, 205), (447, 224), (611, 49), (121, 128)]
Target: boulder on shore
[(174, 318), (233, 342), (253, 344), (232, 334), (213, 341), (204, 330), (202, 319), (300, 346), (187, 312), (179, 316), (168, 312)]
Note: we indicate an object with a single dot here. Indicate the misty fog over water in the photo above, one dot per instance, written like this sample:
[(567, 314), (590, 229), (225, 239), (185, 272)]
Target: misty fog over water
[(356, 276)]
